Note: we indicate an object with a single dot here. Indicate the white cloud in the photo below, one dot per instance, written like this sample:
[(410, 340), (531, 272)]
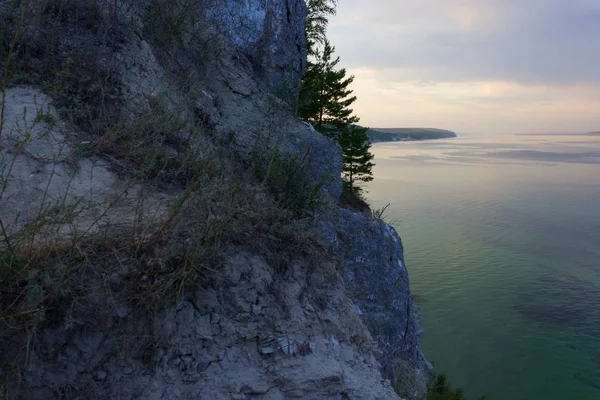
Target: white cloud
[(554, 41)]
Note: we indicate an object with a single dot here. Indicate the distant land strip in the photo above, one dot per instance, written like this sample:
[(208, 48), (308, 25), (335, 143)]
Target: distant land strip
[(405, 134), (595, 133)]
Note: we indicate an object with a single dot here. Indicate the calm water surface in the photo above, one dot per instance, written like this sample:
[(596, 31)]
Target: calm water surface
[(502, 242)]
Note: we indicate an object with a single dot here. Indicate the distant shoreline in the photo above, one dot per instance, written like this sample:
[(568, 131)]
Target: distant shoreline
[(377, 135), (596, 133)]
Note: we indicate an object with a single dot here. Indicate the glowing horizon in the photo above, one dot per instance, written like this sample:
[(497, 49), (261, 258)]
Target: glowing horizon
[(494, 66)]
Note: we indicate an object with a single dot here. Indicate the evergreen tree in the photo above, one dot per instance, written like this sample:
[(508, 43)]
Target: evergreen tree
[(357, 158), (316, 22), (325, 97), (325, 100)]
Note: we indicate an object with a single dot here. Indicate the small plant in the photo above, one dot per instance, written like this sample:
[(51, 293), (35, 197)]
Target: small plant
[(440, 388), (154, 147), (288, 180), (379, 213)]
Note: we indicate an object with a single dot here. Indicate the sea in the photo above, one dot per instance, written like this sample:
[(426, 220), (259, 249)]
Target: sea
[(501, 236)]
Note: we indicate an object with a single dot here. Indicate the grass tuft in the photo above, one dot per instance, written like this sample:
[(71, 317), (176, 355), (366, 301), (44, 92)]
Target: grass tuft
[(287, 179)]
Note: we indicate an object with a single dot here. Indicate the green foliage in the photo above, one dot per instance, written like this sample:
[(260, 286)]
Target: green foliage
[(317, 21), (357, 158), (325, 96), (325, 100), (287, 179), (154, 146), (440, 388)]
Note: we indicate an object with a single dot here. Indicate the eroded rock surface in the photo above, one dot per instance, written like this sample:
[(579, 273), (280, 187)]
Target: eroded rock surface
[(256, 333), (271, 33), (338, 326), (43, 172), (377, 279)]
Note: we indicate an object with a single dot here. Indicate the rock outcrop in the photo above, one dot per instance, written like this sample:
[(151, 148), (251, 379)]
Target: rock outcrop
[(271, 34), (254, 334), (131, 92), (377, 280)]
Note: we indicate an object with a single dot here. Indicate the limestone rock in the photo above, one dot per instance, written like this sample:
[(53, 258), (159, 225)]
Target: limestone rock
[(377, 278), (271, 34), (229, 365), (38, 156), (257, 330)]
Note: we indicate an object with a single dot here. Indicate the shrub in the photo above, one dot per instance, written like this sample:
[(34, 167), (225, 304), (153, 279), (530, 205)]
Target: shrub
[(288, 179), (440, 388), (155, 146)]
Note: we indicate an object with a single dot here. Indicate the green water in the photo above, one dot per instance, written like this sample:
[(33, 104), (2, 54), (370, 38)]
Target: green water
[(502, 243)]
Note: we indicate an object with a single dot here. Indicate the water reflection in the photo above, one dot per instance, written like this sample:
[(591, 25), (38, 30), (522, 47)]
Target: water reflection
[(502, 238)]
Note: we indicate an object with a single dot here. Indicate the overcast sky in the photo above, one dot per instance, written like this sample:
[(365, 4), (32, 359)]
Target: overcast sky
[(489, 66)]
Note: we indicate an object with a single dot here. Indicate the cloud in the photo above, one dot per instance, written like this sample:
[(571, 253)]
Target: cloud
[(533, 42), (493, 66), (386, 100), (425, 83)]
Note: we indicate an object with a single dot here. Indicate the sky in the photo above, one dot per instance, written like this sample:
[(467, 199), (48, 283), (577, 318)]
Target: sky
[(489, 66)]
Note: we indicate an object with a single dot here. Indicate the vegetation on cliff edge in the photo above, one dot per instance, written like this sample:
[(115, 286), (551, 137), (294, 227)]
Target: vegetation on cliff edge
[(326, 97)]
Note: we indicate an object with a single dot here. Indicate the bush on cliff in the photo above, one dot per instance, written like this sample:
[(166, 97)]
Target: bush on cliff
[(440, 388)]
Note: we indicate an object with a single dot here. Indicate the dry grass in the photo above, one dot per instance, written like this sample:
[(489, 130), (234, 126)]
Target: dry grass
[(164, 255), (54, 262), (46, 270), (67, 47)]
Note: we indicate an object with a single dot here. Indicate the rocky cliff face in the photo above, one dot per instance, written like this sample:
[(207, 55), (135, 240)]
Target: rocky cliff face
[(271, 34), (377, 281), (142, 257)]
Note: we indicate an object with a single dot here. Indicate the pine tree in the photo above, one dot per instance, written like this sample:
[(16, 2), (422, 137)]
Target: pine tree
[(316, 22), (325, 100), (324, 97), (357, 158)]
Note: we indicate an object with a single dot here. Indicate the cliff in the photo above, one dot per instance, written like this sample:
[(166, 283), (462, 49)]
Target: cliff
[(169, 229)]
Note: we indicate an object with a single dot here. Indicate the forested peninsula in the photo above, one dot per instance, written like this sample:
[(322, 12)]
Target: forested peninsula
[(405, 134)]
